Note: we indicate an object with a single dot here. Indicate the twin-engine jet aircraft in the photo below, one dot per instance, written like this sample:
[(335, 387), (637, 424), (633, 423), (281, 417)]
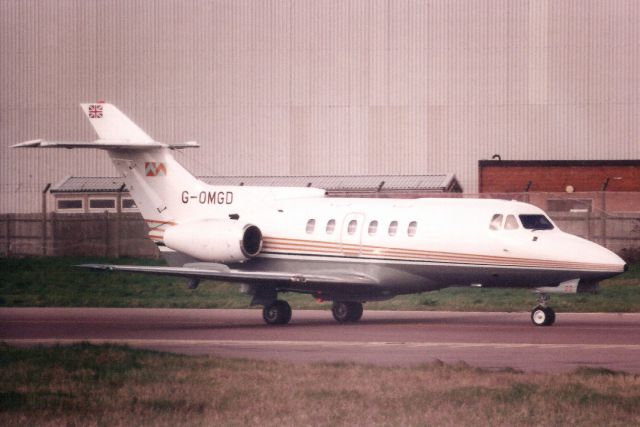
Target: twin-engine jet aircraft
[(346, 250)]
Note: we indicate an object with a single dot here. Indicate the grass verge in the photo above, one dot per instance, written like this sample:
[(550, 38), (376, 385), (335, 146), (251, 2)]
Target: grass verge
[(86, 384), (54, 282)]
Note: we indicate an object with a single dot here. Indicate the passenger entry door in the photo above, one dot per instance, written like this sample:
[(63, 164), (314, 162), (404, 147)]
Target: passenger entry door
[(351, 234)]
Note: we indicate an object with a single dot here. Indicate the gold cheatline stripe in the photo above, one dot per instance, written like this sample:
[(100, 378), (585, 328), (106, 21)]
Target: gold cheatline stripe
[(447, 255), (417, 252), (395, 253)]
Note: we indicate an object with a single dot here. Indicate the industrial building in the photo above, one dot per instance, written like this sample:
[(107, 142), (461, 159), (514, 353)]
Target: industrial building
[(330, 87), (100, 194)]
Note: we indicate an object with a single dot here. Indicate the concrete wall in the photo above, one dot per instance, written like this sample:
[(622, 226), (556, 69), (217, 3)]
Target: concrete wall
[(309, 87)]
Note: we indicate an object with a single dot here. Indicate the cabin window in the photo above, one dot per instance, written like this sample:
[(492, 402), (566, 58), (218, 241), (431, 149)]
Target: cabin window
[(536, 222), (511, 223), (331, 225), (496, 222), (393, 228), (373, 228), (353, 225), (311, 225), (413, 227)]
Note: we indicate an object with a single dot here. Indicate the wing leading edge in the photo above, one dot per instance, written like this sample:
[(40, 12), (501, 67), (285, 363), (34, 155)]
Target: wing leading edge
[(221, 272)]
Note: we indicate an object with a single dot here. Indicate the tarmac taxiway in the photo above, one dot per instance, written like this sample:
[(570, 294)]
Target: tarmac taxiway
[(487, 340)]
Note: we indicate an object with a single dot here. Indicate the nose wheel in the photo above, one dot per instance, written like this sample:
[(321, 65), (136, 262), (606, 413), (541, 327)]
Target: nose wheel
[(543, 315)]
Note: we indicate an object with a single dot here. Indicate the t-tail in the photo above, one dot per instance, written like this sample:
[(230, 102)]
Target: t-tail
[(164, 191), (152, 175)]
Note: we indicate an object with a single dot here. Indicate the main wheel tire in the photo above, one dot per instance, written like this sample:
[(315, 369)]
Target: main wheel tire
[(551, 316), (347, 311), (277, 313), (543, 316)]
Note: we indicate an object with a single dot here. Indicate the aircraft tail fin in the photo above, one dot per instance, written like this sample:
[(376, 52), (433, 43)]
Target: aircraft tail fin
[(154, 178), (112, 125)]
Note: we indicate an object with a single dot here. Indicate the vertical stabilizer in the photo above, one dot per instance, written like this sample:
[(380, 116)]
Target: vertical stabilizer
[(152, 175), (111, 124)]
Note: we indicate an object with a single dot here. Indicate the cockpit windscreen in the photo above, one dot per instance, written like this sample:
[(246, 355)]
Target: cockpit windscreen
[(536, 222)]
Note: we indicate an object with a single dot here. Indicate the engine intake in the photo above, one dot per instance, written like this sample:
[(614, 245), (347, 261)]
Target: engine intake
[(224, 241)]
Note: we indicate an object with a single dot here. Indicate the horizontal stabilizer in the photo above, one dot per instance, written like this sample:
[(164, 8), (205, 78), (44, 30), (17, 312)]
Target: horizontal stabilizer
[(103, 144), (221, 272)]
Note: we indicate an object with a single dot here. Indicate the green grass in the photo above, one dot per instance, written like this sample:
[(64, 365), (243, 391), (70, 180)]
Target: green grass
[(112, 385), (54, 282)]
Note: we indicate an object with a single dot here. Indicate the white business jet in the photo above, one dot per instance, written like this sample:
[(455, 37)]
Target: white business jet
[(274, 240)]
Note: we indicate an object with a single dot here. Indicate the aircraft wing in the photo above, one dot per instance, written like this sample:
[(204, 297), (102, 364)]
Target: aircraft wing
[(222, 272)]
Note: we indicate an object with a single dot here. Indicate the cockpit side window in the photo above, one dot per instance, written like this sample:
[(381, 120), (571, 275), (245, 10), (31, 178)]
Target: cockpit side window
[(511, 223), (496, 222), (536, 222)]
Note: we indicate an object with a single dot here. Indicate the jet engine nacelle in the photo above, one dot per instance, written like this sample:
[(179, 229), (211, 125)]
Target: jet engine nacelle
[(223, 241)]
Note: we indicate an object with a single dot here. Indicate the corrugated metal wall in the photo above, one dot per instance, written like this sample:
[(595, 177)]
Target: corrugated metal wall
[(321, 86)]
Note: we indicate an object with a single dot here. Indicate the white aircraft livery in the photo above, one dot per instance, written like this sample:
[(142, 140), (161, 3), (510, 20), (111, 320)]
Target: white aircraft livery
[(274, 240)]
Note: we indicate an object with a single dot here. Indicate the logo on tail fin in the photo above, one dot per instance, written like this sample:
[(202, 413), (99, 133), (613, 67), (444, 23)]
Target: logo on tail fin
[(155, 169), (95, 111)]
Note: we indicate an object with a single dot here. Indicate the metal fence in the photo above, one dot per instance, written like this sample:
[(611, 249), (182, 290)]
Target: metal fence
[(124, 234), (93, 234)]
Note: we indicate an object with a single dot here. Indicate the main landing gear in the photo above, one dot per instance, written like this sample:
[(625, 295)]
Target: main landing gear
[(278, 312), (347, 311), (543, 315)]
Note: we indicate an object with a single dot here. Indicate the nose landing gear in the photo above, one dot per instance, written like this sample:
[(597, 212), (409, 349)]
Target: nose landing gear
[(543, 315)]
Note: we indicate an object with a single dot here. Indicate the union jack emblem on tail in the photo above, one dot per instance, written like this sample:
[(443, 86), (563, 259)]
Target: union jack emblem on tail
[(155, 169), (95, 111)]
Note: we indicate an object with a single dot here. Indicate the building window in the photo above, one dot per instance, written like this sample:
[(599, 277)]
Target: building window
[(353, 225), (393, 228), (413, 227), (511, 223), (331, 225), (496, 222), (373, 228), (569, 205), (129, 204), (311, 225), (70, 205), (102, 204)]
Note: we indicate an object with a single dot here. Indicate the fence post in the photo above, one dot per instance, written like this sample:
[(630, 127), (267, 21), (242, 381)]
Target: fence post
[(7, 233), (603, 217), (107, 239), (54, 242), (44, 219), (118, 221)]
